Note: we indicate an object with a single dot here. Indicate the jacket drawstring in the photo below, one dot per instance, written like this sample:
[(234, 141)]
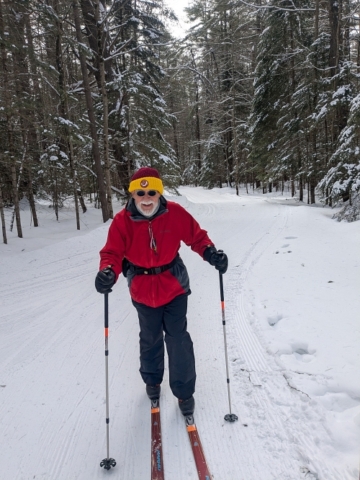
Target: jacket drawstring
[(152, 239)]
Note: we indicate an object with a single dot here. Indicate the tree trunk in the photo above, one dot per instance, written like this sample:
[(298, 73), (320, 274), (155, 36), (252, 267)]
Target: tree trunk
[(312, 190), (81, 200), (97, 34), (197, 125), (90, 16), (31, 196), (174, 124), (3, 225), (301, 189), (292, 187), (74, 179), (346, 29), (55, 195), (66, 140), (35, 118), (6, 94), (101, 63), (234, 148), (24, 87), (16, 200), (91, 114), (316, 23), (198, 137), (334, 36), (358, 46)]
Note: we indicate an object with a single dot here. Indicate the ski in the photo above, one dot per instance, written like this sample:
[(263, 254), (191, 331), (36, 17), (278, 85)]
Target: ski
[(198, 452), (157, 465)]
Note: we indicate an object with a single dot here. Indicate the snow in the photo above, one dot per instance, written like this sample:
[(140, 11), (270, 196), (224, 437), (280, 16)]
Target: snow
[(291, 305), (65, 121)]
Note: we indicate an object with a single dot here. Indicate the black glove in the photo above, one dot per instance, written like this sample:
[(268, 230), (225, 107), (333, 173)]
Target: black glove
[(104, 280), (217, 258)]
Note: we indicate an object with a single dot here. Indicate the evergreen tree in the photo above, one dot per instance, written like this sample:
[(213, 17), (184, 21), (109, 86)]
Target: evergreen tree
[(275, 120), (140, 115), (342, 181)]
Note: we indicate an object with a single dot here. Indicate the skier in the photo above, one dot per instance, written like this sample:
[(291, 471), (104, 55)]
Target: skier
[(143, 242)]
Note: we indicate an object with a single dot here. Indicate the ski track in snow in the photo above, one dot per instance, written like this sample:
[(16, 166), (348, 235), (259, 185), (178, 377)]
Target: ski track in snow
[(267, 388), (52, 391)]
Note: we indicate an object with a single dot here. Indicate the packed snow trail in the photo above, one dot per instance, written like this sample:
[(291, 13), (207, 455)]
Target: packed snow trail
[(52, 391)]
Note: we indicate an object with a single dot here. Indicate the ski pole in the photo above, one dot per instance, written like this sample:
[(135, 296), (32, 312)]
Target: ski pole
[(229, 417), (108, 462)]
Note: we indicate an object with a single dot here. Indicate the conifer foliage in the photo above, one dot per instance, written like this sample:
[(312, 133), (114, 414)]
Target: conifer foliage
[(259, 94), (274, 97), (81, 106)]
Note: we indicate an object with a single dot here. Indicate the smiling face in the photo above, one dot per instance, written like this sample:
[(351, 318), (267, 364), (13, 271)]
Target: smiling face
[(146, 204)]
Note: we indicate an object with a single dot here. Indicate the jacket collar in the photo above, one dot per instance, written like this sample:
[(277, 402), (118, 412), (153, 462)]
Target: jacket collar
[(136, 215)]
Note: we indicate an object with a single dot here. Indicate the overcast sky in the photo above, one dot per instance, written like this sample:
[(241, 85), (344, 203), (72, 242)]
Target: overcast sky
[(178, 7)]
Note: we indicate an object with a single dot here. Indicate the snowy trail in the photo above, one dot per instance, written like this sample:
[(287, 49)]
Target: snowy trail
[(52, 404), (268, 387)]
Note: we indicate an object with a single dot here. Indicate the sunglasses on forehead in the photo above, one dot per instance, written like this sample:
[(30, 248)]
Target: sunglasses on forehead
[(141, 193)]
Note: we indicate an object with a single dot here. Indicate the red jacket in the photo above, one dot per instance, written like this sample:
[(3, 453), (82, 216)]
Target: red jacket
[(129, 236)]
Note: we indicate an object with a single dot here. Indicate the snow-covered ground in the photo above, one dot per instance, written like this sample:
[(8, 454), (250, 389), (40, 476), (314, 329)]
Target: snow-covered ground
[(292, 314)]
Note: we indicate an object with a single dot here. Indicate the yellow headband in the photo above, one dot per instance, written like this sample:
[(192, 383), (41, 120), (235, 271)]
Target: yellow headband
[(147, 183)]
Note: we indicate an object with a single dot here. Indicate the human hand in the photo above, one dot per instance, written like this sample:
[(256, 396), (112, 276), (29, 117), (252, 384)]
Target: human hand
[(104, 280), (217, 258)]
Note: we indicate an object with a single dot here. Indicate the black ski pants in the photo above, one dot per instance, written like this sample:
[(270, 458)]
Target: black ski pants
[(169, 322)]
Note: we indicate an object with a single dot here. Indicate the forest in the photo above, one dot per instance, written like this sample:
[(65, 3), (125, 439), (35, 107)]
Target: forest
[(258, 95)]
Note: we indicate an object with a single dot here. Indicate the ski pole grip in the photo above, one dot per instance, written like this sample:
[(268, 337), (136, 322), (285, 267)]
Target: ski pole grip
[(221, 281), (221, 287)]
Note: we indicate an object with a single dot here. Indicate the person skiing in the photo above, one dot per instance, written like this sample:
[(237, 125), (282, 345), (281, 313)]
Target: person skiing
[(143, 243)]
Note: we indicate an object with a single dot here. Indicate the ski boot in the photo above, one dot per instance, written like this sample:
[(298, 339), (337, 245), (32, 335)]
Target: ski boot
[(153, 391), (187, 406)]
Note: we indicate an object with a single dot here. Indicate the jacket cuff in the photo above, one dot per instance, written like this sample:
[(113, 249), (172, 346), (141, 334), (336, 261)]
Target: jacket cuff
[(114, 268)]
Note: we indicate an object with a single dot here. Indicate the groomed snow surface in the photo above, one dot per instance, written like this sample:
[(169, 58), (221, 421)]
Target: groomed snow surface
[(292, 303)]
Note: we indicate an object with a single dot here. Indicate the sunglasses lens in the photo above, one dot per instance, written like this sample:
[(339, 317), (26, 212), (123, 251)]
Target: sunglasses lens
[(141, 193)]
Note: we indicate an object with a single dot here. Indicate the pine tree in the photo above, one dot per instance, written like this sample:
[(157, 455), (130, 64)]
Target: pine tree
[(224, 77), (274, 85), (140, 115), (342, 181)]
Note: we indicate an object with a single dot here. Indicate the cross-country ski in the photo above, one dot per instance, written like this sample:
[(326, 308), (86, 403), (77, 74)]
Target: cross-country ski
[(157, 462), (197, 449)]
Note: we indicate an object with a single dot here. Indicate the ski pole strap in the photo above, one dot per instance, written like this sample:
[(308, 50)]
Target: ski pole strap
[(154, 270)]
